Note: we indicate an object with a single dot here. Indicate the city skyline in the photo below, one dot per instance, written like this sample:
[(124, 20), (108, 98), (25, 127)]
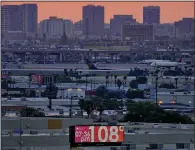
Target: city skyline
[(65, 9)]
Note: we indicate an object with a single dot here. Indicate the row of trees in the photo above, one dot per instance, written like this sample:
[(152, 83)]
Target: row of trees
[(100, 105), (148, 112), (179, 72), (137, 111)]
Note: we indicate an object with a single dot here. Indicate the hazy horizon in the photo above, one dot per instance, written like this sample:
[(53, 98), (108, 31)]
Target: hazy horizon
[(170, 11)]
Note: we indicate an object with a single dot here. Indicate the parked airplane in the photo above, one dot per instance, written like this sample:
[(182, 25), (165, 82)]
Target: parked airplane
[(94, 70), (167, 63), (149, 61)]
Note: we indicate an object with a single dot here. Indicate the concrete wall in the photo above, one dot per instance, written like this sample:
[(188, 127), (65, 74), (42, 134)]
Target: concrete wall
[(38, 140), (40, 123)]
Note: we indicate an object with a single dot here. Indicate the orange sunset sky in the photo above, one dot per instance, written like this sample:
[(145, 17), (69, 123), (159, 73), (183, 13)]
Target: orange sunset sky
[(170, 11)]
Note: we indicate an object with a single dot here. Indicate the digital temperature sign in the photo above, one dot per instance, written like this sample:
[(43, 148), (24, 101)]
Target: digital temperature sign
[(95, 135)]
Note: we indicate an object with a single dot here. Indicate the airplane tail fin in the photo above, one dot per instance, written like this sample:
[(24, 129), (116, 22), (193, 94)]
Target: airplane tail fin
[(90, 65)]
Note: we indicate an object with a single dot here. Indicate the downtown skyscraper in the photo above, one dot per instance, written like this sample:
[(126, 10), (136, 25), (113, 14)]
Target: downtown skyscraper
[(19, 18), (151, 15), (117, 21), (93, 20)]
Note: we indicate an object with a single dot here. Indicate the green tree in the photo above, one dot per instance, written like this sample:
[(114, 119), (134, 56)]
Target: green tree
[(132, 94), (51, 91), (149, 112), (86, 79), (167, 86), (111, 104), (119, 83), (111, 76), (115, 78), (176, 81), (133, 84), (82, 105), (142, 80), (99, 106), (107, 77), (89, 106), (31, 112), (101, 91), (125, 80)]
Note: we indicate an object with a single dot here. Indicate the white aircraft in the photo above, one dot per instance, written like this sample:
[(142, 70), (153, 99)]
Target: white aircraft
[(93, 69), (167, 64), (149, 61)]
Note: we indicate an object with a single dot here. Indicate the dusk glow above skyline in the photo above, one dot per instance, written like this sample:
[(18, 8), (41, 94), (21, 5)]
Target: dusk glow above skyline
[(170, 11)]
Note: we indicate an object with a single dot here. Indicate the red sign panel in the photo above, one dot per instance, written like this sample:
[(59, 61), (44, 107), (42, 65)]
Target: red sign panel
[(36, 78), (99, 134), (4, 74)]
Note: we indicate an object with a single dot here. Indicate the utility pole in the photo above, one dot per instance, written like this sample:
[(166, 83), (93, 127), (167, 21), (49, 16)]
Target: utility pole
[(50, 93), (20, 142), (70, 110), (156, 90), (91, 84)]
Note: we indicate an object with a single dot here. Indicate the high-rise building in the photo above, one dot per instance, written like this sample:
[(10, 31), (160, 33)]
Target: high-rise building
[(151, 15), (30, 14), (19, 18), (117, 22), (78, 28), (165, 29), (137, 32), (52, 27), (11, 18), (55, 27), (93, 20), (68, 26), (184, 29), (107, 29)]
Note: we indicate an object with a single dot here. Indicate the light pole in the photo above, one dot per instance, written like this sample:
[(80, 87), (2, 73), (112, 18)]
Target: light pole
[(156, 90), (70, 109), (176, 79), (20, 133)]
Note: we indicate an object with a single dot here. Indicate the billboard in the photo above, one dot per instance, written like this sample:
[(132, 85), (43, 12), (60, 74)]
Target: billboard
[(36, 78), (95, 135), (4, 74)]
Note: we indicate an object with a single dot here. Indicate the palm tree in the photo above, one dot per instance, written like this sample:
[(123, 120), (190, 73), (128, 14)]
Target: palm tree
[(99, 106), (111, 76), (88, 107), (70, 73), (82, 106), (107, 77), (124, 81), (119, 83), (115, 77), (86, 79), (80, 72), (176, 80)]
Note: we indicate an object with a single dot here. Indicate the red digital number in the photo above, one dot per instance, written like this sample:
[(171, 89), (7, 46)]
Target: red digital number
[(99, 134)]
